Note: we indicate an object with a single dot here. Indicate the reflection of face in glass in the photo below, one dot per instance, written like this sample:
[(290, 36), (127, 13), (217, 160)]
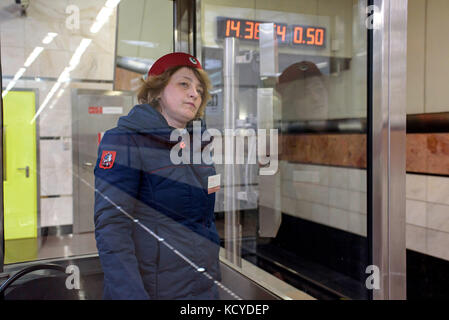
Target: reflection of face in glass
[(303, 92), (181, 98), (315, 87)]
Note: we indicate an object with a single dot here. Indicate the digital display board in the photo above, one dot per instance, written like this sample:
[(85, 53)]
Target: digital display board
[(288, 35)]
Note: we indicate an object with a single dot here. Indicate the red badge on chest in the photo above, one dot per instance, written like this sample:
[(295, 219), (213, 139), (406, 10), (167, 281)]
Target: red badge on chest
[(107, 159)]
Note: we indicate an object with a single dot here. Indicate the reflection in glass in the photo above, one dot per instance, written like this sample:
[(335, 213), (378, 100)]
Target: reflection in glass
[(309, 83)]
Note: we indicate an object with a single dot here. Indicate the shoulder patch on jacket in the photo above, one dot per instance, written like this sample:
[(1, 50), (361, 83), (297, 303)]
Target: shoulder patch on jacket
[(107, 159)]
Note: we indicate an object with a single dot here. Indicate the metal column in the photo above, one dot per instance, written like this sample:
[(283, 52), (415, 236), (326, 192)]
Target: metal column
[(389, 147), (230, 92)]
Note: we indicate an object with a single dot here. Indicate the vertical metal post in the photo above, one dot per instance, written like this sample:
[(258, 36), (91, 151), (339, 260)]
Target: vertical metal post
[(389, 147), (268, 50), (269, 217), (184, 22), (230, 92)]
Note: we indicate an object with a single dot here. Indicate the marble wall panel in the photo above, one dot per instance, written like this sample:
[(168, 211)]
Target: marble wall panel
[(426, 153), (416, 238), (56, 181), (416, 213), (357, 202), (289, 206), (311, 192), (338, 177), (304, 209), (438, 153), (13, 59), (438, 190), (357, 180), (56, 121), (127, 80), (437, 217), (357, 223), (95, 66), (323, 194), (339, 198), (337, 150), (416, 187), (320, 214), (55, 153), (339, 219), (56, 211), (438, 244), (51, 63), (416, 152), (9, 29), (44, 16)]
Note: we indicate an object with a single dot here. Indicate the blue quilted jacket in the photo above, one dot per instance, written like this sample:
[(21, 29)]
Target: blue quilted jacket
[(154, 220)]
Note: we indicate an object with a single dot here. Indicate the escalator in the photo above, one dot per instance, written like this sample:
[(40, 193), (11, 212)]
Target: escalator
[(47, 280)]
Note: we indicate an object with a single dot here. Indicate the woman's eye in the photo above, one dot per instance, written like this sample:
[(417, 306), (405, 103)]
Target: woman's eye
[(184, 84)]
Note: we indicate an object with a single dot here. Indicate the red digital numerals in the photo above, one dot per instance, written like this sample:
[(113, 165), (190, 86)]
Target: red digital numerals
[(294, 35)]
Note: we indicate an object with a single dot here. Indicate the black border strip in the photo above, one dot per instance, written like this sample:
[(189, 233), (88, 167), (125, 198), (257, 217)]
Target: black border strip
[(369, 145)]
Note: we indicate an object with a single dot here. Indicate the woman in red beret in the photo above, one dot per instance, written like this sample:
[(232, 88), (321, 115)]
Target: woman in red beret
[(154, 220)]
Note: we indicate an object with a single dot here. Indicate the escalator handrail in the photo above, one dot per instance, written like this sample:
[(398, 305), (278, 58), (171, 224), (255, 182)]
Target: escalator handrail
[(27, 270)]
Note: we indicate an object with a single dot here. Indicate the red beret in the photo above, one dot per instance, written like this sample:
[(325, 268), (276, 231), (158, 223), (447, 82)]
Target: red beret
[(172, 60)]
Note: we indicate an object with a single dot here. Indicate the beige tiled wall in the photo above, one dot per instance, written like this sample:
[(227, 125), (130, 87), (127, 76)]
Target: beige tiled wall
[(331, 196), (427, 51), (336, 197), (416, 39), (428, 215)]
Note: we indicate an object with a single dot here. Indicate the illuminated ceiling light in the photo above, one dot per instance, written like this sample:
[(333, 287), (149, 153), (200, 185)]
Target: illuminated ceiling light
[(104, 14), (60, 93), (79, 52), (112, 3), (47, 99), (322, 65), (19, 73), (11, 84), (58, 96), (49, 38), (36, 52), (96, 27), (146, 44), (64, 76)]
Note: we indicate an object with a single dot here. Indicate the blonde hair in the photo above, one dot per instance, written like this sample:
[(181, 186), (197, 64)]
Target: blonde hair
[(154, 85)]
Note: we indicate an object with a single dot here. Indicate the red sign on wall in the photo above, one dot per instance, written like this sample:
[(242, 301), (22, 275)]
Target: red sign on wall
[(95, 110)]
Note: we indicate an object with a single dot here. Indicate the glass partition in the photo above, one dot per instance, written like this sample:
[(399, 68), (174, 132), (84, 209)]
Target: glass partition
[(281, 170), (295, 73), (51, 52)]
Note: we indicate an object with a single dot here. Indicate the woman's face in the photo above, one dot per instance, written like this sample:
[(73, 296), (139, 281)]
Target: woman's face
[(181, 98)]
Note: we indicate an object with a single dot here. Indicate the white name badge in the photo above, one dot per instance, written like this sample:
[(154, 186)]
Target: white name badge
[(213, 184)]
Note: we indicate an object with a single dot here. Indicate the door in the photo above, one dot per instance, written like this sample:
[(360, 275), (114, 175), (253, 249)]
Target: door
[(19, 170), (93, 113)]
